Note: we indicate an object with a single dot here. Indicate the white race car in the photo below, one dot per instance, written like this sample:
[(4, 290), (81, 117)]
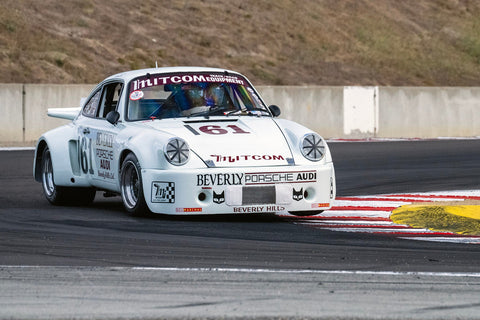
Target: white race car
[(184, 140)]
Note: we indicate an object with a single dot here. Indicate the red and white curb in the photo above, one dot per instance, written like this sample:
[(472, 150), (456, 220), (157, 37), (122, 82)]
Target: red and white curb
[(371, 214)]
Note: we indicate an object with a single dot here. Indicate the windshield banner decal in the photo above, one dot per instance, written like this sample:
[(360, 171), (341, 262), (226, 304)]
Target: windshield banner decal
[(152, 81)]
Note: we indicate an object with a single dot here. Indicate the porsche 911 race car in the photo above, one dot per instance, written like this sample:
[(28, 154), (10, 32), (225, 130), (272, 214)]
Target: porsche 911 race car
[(184, 140)]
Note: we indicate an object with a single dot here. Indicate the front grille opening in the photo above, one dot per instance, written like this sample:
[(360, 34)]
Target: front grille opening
[(258, 195)]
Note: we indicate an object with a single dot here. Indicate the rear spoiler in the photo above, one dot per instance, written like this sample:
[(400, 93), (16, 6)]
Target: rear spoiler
[(63, 113), (66, 113)]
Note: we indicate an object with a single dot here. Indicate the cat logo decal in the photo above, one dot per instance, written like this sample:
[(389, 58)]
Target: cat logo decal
[(219, 197), (297, 195)]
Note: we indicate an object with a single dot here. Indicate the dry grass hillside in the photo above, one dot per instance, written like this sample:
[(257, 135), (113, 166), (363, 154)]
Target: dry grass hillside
[(323, 42)]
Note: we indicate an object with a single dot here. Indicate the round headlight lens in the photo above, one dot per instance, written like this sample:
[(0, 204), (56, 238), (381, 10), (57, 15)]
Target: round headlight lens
[(177, 151), (312, 147)]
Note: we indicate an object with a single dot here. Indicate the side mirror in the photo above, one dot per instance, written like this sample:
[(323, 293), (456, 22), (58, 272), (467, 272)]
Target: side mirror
[(275, 110), (113, 117)]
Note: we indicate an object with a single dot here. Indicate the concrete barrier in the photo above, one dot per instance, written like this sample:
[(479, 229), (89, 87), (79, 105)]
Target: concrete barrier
[(426, 112), (360, 112), (40, 97), (318, 108), (11, 114), (334, 112)]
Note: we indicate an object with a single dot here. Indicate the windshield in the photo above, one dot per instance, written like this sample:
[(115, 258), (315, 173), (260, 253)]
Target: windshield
[(192, 94)]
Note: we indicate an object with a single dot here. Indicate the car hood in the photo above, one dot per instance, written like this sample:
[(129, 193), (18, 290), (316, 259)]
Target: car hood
[(231, 142)]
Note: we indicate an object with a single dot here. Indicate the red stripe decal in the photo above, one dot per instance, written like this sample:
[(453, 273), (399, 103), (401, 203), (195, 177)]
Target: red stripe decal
[(339, 218), (432, 196), (405, 199), (361, 226), (355, 208)]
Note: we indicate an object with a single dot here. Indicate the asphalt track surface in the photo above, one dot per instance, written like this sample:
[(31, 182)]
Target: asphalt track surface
[(49, 243)]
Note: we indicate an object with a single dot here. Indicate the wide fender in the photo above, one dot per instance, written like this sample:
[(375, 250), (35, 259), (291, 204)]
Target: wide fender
[(63, 145), (148, 146), (294, 132)]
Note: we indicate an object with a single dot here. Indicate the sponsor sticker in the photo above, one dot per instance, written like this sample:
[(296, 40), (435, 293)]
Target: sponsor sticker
[(189, 210), (232, 179), (219, 197), (280, 177), (163, 192), (259, 209), (158, 80), (136, 95), (320, 205), (297, 195), (104, 155), (104, 139), (219, 179), (265, 157)]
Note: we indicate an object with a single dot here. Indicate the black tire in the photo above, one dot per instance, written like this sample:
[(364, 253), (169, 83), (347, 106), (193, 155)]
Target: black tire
[(131, 187), (58, 195), (305, 213)]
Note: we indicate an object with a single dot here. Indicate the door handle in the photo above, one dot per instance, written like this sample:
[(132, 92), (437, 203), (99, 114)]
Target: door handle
[(86, 131)]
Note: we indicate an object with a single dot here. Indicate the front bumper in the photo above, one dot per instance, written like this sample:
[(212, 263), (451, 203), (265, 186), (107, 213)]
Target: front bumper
[(240, 190)]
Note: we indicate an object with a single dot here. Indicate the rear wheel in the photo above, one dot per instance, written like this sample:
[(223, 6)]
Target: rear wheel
[(131, 187), (58, 195)]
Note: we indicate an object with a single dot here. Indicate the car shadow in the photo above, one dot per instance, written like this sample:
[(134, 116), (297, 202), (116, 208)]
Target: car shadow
[(114, 205), (243, 218)]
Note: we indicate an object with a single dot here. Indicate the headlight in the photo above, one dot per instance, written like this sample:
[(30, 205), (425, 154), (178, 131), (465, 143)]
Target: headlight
[(312, 147), (177, 151)]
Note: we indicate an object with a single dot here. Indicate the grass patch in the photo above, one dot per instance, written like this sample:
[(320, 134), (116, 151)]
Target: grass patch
[(345, 42)]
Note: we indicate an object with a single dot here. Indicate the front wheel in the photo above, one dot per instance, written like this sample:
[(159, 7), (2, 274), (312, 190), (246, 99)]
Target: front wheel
[(131, 187), (58, 195)]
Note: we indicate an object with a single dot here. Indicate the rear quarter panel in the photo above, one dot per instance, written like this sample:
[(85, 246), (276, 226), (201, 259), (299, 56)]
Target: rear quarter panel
[(63, 145)]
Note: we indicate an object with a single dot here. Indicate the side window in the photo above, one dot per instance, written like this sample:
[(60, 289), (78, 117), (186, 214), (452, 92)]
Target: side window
[(110, 97), (90, 109)]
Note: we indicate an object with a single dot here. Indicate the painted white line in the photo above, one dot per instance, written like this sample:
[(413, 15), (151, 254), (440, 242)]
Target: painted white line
[(299, 271), (465, 240), (257, 270), (16, 148)]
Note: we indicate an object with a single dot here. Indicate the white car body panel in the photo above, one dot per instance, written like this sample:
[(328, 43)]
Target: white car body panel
[(233, 183), (237, 163), (248, 141)]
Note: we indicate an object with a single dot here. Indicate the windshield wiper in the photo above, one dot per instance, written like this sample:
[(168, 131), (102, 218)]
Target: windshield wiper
[(250, 112), (210, 112)]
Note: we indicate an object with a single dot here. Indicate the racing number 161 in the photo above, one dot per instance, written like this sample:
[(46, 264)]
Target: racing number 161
[(214, 129)]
